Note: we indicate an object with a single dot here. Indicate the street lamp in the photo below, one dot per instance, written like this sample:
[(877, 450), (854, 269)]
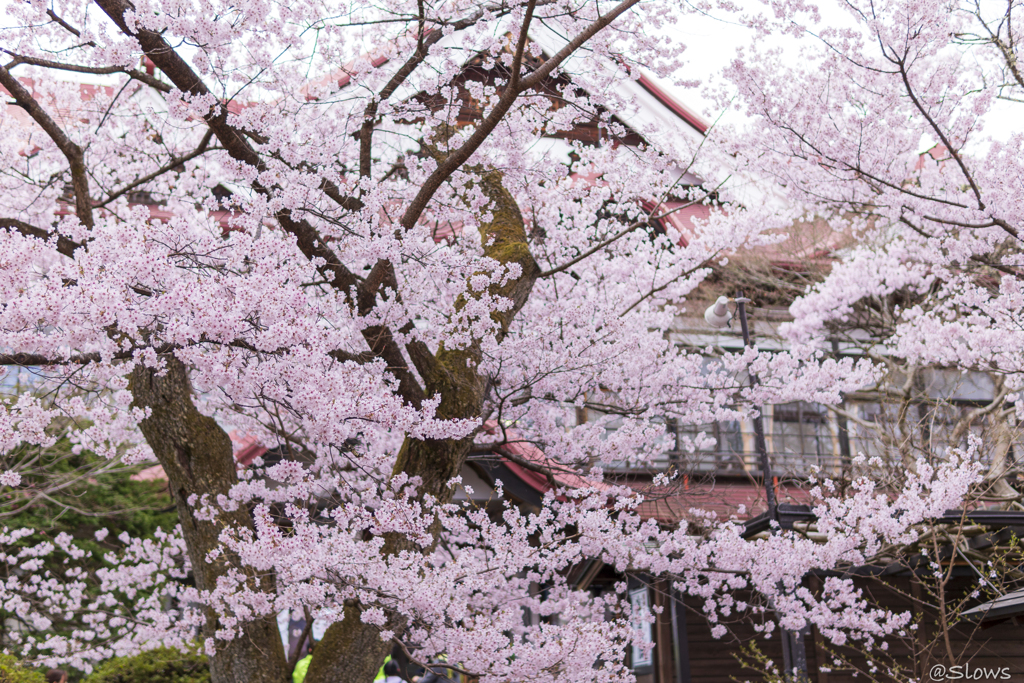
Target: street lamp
[(718, 316)]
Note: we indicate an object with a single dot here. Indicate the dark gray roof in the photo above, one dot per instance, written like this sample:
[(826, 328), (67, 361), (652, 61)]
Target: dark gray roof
[(788, 514), (1005, 606)]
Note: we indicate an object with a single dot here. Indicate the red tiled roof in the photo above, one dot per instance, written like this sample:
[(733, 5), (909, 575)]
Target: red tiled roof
[(677, 107), (667, 504), (524, 450), (672, 504), (246, 448)]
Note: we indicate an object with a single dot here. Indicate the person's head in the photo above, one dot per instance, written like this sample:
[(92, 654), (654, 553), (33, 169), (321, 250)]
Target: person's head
[(392, 669), (56, 676)]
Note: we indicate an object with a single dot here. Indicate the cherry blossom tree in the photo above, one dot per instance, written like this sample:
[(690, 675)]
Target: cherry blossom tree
[(303, 222), (901, 127)]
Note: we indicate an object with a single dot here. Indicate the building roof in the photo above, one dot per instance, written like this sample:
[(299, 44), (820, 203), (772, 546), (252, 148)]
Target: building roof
[(246, 450), (790, 514), (1003, 607)]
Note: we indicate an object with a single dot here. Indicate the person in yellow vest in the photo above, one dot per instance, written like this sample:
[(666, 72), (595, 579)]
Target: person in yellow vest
[(380, 674), (302, 666)]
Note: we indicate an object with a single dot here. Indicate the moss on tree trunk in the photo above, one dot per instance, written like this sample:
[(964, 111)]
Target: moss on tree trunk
[(351, 651), (197, 456)]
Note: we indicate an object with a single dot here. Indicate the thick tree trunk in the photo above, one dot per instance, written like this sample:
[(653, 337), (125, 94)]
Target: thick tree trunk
[(351, 651), (197, 456)]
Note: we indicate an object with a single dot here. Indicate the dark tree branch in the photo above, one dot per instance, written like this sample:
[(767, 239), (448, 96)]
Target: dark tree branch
[(358, 358), (72, 152), (423, 44), (974, 257), (39, 360), (65, 246), (141, 76), (517, 59), (169, 166), (938, 131), (458, 157), (234, 141), (68, 27), (614, 238)]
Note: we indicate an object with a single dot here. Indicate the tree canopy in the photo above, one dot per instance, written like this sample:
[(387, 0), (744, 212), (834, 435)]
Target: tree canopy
[(374, 236)]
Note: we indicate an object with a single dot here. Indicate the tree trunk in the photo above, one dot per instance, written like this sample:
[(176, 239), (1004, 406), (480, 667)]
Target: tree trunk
[(995, 484), (197, 456), (351, 651)]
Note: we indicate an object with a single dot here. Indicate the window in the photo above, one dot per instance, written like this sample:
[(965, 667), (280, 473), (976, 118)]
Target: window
[(800, 438), (725, 454), (729, 437)]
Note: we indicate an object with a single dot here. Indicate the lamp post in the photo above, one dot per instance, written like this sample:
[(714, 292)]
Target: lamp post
[(794, 654), (719, 317), (759, 442)]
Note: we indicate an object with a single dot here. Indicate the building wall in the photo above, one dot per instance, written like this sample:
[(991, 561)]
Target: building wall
[(705, 659)]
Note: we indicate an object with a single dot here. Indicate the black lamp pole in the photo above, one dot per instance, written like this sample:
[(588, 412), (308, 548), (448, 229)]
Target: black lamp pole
[(794, 654), (759, 442)]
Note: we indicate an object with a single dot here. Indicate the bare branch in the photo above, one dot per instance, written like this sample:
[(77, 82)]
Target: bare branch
[(938, 131), (169, 166), (141, 76), (68, 27), (524, 34), (631, 228), (39, 360), (72, 152)]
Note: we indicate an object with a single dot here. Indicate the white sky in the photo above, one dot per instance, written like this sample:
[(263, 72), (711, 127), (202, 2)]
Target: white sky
[(712, 42)]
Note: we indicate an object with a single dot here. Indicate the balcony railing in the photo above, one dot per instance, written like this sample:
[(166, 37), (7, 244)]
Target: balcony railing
[(797, 465), (800, 437)]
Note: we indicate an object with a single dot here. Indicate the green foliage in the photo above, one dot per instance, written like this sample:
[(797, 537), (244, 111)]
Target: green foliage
[(162, 665), (66, 488), (11, 671), (751, 657), (105, 497), (93, 494), (108, 501)]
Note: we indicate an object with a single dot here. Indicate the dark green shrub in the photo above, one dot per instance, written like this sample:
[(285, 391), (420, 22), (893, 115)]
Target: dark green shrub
[(162, 665), (11, 671)]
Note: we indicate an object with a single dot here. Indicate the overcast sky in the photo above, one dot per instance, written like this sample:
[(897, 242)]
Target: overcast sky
[(712, 42)]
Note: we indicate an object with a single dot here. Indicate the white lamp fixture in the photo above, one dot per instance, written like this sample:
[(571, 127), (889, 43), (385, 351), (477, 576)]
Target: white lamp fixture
[(718, 314)]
